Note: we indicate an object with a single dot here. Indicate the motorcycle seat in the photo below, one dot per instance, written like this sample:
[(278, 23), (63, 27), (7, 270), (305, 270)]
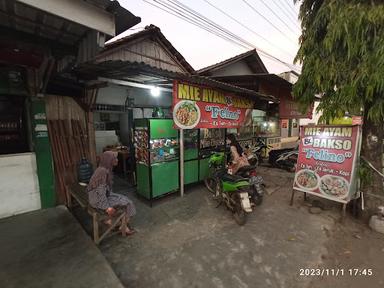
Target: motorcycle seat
[(233, 178)]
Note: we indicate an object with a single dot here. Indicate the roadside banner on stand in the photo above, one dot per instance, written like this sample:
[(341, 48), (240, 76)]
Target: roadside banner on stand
[(197, 106), (326, 165)]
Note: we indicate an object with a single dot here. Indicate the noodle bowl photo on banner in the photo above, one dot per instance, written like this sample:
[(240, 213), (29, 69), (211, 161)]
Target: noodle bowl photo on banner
[(186, 114), (197, 106)]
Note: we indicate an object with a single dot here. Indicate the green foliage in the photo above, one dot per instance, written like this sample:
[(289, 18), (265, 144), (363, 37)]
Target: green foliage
[(365, 174), (342, 56)]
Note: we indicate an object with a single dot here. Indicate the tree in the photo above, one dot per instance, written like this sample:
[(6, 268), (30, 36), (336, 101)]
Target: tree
[(342, 56)]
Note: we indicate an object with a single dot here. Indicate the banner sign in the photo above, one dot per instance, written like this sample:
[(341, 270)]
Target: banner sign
[(326, 162), (202, 107), (289, 109)]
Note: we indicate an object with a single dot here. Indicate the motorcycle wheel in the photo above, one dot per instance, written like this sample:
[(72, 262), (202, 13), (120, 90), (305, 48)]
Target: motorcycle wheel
[(257, 197), (254, 161), (292, 168), (239, 214), (211, 184)]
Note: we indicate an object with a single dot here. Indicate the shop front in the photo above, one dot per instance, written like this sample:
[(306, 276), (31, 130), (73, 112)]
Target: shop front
[(38, 48), (154, 128), (277, 124), (178, 149), (137, 110)]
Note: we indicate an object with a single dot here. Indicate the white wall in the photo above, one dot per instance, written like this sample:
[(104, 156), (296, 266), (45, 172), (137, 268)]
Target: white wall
[(315, 116), (105, 138), (284, 131), (80, 12), (116, 95), (19, 185), (295, 131), (237, 68)]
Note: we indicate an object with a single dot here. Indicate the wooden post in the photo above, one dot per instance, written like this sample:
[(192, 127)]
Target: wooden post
[(95, 228), (91, 138), (124, 225), (181, 162), (344, 213), (292, 195)]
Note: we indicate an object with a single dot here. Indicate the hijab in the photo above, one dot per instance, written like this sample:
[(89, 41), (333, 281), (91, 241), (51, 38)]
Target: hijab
[(232, 138), (103, 174)]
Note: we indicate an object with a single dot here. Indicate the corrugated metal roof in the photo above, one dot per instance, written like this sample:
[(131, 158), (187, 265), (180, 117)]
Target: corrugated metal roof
[(252, 53), (20, 17), (123, 70), (271, 78), (150, 31)]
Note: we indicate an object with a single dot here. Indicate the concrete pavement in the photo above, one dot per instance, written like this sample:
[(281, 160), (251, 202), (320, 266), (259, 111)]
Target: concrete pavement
[(187, 242), (48, 248)]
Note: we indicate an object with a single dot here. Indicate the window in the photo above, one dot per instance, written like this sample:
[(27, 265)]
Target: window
[(13, 130)]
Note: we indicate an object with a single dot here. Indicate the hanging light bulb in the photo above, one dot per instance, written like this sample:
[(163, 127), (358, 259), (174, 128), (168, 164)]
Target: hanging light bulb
[(155, 91)]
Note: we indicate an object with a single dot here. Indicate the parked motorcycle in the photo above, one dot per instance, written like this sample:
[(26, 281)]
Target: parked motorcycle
[(255, 153), (256, 183), (284, 158), (234, 191)]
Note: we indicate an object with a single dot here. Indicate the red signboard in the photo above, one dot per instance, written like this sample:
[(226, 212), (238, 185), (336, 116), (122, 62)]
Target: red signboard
[(202, 107), (289, 109), (326, 163)]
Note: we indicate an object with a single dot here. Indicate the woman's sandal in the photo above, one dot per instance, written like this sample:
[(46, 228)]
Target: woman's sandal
[(108, 222), (129, 231)]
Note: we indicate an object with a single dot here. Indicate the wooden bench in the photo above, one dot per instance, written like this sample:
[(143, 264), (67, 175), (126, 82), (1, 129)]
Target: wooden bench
[(79, 193)]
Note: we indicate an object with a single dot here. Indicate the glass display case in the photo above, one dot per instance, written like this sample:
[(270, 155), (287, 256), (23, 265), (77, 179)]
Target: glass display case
[(141, 145), (163, 149), (157, 156)]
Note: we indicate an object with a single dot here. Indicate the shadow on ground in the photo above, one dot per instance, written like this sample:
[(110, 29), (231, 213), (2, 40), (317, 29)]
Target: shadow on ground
[(188, 242)]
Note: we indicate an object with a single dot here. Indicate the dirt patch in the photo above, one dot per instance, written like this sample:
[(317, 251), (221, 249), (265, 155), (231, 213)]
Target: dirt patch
[(355, 252)]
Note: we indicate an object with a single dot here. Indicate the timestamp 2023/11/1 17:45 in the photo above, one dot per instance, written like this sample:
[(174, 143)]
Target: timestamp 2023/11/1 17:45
[(335, 272)]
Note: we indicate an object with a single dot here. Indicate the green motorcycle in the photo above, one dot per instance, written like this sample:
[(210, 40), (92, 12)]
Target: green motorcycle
[(232, 190)]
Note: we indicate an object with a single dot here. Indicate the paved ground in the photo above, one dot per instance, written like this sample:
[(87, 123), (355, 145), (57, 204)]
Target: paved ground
[(48, 248), (353, 246), (187, 242), (289, 142)]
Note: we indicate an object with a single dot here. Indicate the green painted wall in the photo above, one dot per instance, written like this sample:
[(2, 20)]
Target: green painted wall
[(204, 168), (142, 175), (42, 150), (165, 177), (191, 171), (162, 128), (191, 153)]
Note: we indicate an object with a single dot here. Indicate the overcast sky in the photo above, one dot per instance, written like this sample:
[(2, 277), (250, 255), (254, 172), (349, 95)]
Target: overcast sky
[(201, 48)]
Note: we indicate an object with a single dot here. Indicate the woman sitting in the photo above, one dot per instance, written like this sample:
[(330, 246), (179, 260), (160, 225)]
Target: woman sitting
[(238, 158), (100, 193)]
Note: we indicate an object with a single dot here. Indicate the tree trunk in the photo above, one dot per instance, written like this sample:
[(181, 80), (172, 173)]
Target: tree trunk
[(372, 150)]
